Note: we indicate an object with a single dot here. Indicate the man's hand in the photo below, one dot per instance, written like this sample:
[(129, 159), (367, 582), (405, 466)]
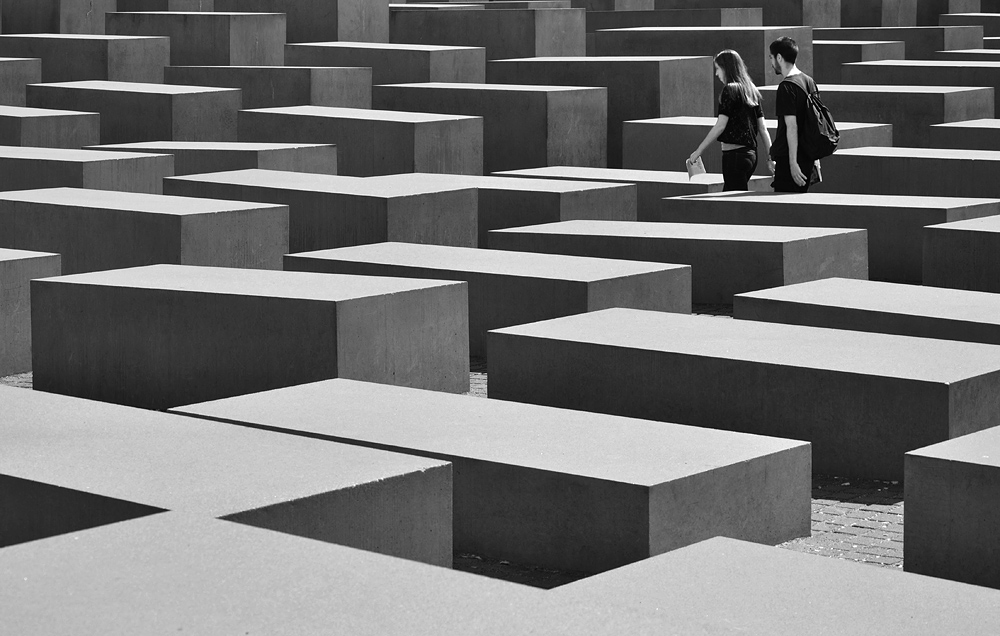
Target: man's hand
[(797, 176)]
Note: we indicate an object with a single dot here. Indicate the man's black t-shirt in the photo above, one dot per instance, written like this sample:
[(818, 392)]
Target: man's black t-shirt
[(790, 100)]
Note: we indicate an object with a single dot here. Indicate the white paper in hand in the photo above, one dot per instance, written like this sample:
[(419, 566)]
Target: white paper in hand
[(695, 168)]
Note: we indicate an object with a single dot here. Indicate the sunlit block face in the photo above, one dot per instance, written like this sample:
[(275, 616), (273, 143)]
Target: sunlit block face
[(720, 74)]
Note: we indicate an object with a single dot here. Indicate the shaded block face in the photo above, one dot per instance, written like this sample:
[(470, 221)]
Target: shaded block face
[(17, 268), (861, 305), (553, 487), (69, 58), (921, 42), (166, 335), (597, 19), (72, 464), (55, 16), (523, 126), (30, 168), (638, 88), (830, 55), (862, 399), (936, 172), (15, 75), (395, 63), (818, 13), (878, 13), (221, 39), (504, 34), (326, 212), (725, 259), (962, 255), (545, 285), (133, 112), (926, 72), (192, 157), (989, 21), (271, 86), (98, 230), (46, 128), (895, 224), (323, 20), (950, 519), (373, 142)]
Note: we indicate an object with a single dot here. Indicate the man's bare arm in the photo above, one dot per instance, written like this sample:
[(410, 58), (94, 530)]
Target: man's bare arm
[(792, 135)]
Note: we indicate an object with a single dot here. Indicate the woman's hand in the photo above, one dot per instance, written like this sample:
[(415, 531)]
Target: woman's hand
[(770, 166), (694, 157)]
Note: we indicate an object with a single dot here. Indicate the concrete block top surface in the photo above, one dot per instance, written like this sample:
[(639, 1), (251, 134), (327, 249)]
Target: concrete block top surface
[(21, 111), (474, 260), (844, 199), (921, 153), (615, 59), (885, 88), (981, 448), (910, 300), (385, 46), (247, 282), (931, 63), (499, 88), (707, 29), (853, 42), (971, 123), (612, 174), (167, 146), (984, 224), (694, 231), (367, 114), (855, 352), (712, 586), (492, 182), (7, 254), (129, 201), (561, 440), (137, 87), (174, 462), (193, 14), (77, 36), (330, 184), (69, 154)]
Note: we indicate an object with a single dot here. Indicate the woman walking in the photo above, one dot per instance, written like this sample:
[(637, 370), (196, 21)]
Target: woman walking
[(740, 123)]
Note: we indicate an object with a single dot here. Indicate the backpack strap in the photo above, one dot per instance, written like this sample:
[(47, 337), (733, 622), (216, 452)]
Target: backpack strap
[(799, 80)]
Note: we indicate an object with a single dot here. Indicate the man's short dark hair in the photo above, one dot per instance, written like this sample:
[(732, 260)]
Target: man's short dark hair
[(786, 48)]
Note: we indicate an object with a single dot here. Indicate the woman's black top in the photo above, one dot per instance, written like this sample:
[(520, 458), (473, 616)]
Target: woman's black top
[(742, 126)]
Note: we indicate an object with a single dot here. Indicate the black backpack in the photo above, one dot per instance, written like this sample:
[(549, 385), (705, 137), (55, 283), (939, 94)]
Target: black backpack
[(818, 135)]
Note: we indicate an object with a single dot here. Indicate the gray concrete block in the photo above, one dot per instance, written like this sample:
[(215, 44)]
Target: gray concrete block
[(861, 399), (721, 583), (666, 143), (193, 157), (989, 21), (830, 55), (371, 142), (71, 57), (395, 63), (272, 86), (637, 87), (554, 487), (597, 20), (524, 126), (512, 202), (652, 186), (861, 305), (166, 5), (962, 255), (938, 172), (323, 20), (210, 38), (951, 521), (132, 112), (895, 224), (817, 13), (725, 259), (46, 128), (976, 134), (985, 54), (166, 335), (17, 268), (878, 13), (926, 72), (514, 288), (15, 74), (331, 211), (921, 41), (504, 34), (55, 16), (25, 167), (71, 464), (99, 229)]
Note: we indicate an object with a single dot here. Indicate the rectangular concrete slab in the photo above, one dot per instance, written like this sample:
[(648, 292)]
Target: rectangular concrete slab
[(274, 86), (554, 487), (371, 142), (608, 19), (15, 74), (878, 13), (950, 516), (830, 55), (936, 172), (100, 229), (513, 288), (962, 255), (17, 268), (975, 134), (861, 305), (48, 128), (194, 157), (132, 112), (651, 185), (55, 16), (862, 399), (395, 63), (69, 57), (781, 12), (989, 21), (986, 54), (512, 202), (328, 211), (524, 126), (936, 72), (895, 224), (725, 259), (921, 41), (723, 586), (166, 335), (71, 464), (29, 168), (211, 38), (323, 20)]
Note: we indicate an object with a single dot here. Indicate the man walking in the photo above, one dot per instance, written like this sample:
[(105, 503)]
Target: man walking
[(792, 169)]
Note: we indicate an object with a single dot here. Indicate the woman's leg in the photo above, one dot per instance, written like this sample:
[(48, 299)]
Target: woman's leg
[(737, 168)]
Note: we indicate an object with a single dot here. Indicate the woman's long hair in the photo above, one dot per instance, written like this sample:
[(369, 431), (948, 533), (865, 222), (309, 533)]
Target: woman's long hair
[(737, 78)]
